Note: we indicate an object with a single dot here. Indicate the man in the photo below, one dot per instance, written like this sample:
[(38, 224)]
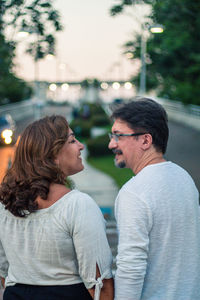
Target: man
[(157, 211)]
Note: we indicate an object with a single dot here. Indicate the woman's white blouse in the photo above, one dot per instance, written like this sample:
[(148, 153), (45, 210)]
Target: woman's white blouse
[(58, 245)]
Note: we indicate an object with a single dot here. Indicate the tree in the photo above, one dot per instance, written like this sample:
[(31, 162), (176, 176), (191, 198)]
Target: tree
[(38, 17), (174, 57), (41, 20), (12, 89)]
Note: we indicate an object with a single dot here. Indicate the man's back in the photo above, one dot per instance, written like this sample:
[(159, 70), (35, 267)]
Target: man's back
[(158, 213)]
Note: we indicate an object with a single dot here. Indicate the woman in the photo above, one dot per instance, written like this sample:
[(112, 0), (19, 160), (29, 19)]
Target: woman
[(53, 244)]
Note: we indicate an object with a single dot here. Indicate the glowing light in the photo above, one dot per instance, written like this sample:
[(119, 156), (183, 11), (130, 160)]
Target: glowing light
[(116, 85), (156, 28), (23, 34), (49, 56), (129, 55), (53, 87), (65, 86), (104, 85), (128, 85), (8, 140), (7, 133)]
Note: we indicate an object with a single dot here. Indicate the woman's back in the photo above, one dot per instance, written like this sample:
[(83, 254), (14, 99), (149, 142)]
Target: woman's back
[(40, 248)]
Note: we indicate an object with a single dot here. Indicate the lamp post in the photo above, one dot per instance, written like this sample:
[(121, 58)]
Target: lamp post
[(154, 29)]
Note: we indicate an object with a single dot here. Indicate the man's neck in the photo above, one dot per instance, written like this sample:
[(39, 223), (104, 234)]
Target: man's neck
[(153, 158)]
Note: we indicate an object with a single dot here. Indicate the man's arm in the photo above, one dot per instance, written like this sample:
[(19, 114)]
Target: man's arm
[(133, 224)]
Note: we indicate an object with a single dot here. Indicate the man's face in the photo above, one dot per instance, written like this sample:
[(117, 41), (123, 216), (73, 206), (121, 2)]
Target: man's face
[(127, 148)]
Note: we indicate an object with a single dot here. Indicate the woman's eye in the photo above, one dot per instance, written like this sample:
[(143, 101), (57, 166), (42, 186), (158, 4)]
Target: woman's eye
[(72, 141)]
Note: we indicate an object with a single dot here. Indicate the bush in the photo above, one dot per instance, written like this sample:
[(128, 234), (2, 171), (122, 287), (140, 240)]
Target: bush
[(98, 146), (100, 120), (81, 128)]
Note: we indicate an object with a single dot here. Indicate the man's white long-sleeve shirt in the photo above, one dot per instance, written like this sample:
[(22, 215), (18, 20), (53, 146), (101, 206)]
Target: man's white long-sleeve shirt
[(158, 218)]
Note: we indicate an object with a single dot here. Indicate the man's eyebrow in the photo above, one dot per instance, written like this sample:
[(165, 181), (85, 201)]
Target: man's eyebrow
[(71, 134), (116, 131)]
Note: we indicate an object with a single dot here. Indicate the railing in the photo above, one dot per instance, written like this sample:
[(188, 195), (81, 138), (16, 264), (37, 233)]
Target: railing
[(174, 105), (19, 110), (185, 114), (177, 111)]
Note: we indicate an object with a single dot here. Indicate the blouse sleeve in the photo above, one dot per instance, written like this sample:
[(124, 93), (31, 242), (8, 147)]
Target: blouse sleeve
[(90, 242), (3, 262)]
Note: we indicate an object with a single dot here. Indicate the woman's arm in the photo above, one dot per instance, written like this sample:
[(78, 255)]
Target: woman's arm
[(107, 291), (92, 249), (2, 281)]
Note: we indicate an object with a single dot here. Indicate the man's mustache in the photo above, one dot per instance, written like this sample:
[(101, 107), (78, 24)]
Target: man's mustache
[(116, 151)]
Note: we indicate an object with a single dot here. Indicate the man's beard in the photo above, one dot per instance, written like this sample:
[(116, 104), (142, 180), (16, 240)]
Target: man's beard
[(120, 164)]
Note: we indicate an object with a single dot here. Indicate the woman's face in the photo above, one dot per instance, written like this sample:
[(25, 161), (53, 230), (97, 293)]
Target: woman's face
[(69, 157)]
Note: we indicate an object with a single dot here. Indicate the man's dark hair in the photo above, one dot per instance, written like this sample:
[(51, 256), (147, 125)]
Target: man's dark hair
[(143, 114)]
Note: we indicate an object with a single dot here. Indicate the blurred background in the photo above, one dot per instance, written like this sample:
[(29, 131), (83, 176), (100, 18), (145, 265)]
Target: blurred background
[(81, 58)]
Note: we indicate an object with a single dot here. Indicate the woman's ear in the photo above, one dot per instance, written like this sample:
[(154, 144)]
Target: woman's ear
[(56, 160)]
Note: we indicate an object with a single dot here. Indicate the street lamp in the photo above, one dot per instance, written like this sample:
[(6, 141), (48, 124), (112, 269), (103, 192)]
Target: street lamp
[(157, 28)]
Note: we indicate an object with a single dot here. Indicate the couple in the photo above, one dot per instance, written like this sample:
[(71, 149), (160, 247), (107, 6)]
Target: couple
[(53, 243)]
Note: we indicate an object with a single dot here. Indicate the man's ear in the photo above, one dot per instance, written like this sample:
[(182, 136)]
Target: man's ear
[(147, 141)]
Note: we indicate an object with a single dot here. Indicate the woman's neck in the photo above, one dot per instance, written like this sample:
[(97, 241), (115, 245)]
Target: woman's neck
[(56, 191)]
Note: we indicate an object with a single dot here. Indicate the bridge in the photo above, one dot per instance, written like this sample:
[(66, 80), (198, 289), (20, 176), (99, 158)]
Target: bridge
[(184, 124), (89, 89)]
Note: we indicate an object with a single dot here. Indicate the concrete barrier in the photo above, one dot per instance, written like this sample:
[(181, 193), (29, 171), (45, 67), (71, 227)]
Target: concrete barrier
[(19, 110), (188, 115)]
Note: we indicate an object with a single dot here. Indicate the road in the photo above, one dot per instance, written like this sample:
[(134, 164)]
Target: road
[(184, 149)]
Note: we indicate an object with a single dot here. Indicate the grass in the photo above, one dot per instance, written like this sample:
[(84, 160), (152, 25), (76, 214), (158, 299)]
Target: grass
[(106, 165)]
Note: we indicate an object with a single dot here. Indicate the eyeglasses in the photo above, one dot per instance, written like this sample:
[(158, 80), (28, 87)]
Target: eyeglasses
[(116, 136)]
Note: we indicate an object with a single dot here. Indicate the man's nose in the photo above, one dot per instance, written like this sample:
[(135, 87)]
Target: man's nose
[(112, 144)]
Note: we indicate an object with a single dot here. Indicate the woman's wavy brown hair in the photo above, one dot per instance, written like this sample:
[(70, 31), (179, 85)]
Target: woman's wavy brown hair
[(33, 168)]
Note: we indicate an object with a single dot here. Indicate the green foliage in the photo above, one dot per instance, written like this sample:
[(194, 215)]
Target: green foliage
[(81, 127), (173, 57), (106, 165), (41, 20), (99, 120), (96, 108), (38, 17), (98, 146), (93, 116), (12, 89)]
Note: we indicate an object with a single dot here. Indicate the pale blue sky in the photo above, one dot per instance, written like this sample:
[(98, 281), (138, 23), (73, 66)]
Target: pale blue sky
[(90, 45)]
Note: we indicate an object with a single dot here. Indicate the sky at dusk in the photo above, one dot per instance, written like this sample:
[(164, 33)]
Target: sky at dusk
[(90, 46)]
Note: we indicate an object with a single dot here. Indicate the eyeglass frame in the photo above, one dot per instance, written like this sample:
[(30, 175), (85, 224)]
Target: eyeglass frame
[(116, 136)]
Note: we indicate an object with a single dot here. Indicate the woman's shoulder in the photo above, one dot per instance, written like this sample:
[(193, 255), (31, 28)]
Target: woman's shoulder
[(78, 198), (2, 207)]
